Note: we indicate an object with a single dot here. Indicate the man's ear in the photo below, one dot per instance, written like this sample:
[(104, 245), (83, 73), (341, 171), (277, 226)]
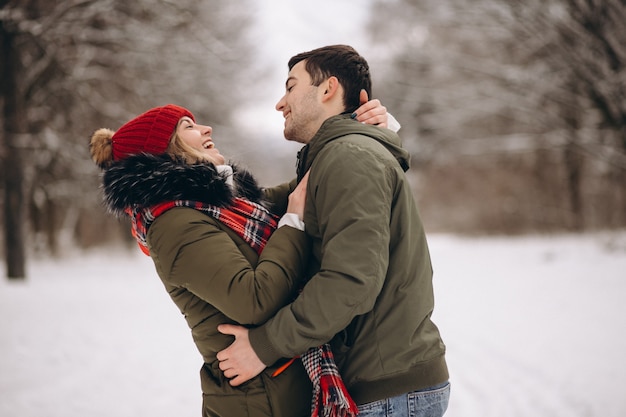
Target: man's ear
[(331, 87)]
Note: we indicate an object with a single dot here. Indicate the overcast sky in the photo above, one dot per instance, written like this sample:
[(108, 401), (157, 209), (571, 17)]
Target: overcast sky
[(285, 28)]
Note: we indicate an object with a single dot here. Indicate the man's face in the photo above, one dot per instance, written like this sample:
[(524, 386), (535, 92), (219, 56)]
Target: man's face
[(301, 106)]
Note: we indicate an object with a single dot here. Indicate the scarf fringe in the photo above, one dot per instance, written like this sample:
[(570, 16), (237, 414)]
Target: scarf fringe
[(330, 395)]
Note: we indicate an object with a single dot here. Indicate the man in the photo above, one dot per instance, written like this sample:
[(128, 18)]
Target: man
[(370, 295)]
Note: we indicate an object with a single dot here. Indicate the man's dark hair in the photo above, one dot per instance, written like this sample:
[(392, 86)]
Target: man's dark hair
[(343, 62)]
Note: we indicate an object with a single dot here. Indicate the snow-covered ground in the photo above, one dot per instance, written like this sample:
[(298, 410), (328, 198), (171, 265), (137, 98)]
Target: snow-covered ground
[(535, 326)]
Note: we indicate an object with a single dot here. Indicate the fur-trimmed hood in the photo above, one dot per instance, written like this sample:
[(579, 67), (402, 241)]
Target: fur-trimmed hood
[(145, 180)]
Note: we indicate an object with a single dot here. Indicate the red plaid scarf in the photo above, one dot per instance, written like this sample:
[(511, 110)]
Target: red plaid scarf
[(253, 222), (330, 396)]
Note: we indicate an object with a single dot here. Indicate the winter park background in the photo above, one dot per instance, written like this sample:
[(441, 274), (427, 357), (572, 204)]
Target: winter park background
[(513, 112), (534, 327)]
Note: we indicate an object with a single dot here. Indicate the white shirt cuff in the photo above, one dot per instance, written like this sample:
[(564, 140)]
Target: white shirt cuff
[(291, 219), (392, 123)]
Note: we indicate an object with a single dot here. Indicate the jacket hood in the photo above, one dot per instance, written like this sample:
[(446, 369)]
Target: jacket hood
[(144, 180), (342, 125)]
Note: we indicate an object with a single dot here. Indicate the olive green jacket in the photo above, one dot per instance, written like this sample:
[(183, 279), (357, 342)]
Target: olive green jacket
[(214, 277), (371, 290)]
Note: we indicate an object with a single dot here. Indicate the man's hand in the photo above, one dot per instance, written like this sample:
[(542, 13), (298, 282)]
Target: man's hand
[(371, 112), (239, 362)]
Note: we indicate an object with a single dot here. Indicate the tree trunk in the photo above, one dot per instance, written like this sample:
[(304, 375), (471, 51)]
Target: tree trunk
[(14, 121), (573, 161)]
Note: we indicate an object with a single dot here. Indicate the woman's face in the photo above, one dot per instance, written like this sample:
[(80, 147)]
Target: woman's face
[(199, 138)]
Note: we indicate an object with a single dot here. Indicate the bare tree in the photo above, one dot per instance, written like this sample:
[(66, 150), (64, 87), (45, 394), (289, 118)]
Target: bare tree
[(587, 50), (534, 81), (69, 67), (13, 105)]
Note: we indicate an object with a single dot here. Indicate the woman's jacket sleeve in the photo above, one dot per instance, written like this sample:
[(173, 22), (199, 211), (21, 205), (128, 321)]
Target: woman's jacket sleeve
[(193, 251)]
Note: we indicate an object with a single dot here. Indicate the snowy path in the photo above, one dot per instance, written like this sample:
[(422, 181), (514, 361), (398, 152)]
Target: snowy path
[(534, 327)]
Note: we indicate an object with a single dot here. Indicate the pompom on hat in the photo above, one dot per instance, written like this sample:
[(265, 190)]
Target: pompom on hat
[(149, 132)]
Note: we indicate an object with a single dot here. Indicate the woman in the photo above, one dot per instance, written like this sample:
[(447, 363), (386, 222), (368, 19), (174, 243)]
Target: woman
[(207, 229)]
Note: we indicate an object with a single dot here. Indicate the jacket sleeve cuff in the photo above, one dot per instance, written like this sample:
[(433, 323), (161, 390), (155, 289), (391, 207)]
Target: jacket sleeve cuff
[(262, 346)]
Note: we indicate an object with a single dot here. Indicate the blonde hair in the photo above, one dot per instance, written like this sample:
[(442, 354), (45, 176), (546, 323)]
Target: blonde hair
[(178, 148)]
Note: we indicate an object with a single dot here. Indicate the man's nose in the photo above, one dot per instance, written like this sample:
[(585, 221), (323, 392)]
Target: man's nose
[(281, 104)]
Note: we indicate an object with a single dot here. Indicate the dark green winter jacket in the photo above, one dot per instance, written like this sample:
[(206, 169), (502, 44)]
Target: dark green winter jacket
[(371, 290), (215, 277)]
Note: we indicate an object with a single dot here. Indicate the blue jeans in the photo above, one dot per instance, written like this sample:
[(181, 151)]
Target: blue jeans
[(429, 402)]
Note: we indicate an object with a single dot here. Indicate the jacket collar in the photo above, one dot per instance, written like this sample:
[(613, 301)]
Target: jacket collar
[(145, 180), (342, 125)]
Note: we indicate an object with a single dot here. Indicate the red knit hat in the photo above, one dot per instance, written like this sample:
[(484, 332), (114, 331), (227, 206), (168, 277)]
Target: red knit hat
[(149, 132)]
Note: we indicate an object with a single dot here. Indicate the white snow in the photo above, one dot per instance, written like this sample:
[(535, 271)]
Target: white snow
[(535, 326)]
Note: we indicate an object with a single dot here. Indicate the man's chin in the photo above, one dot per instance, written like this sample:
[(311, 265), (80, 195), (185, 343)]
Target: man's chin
[(291, 136)]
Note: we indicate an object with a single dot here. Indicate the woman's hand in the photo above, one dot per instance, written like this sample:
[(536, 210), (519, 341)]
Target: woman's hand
[(298, 197), (371, 112)]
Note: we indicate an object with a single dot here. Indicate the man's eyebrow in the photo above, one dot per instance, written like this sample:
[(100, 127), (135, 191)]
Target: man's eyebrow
[(291, 77)]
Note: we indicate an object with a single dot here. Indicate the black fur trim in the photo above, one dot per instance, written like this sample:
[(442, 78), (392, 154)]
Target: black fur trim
[(145, 180)]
